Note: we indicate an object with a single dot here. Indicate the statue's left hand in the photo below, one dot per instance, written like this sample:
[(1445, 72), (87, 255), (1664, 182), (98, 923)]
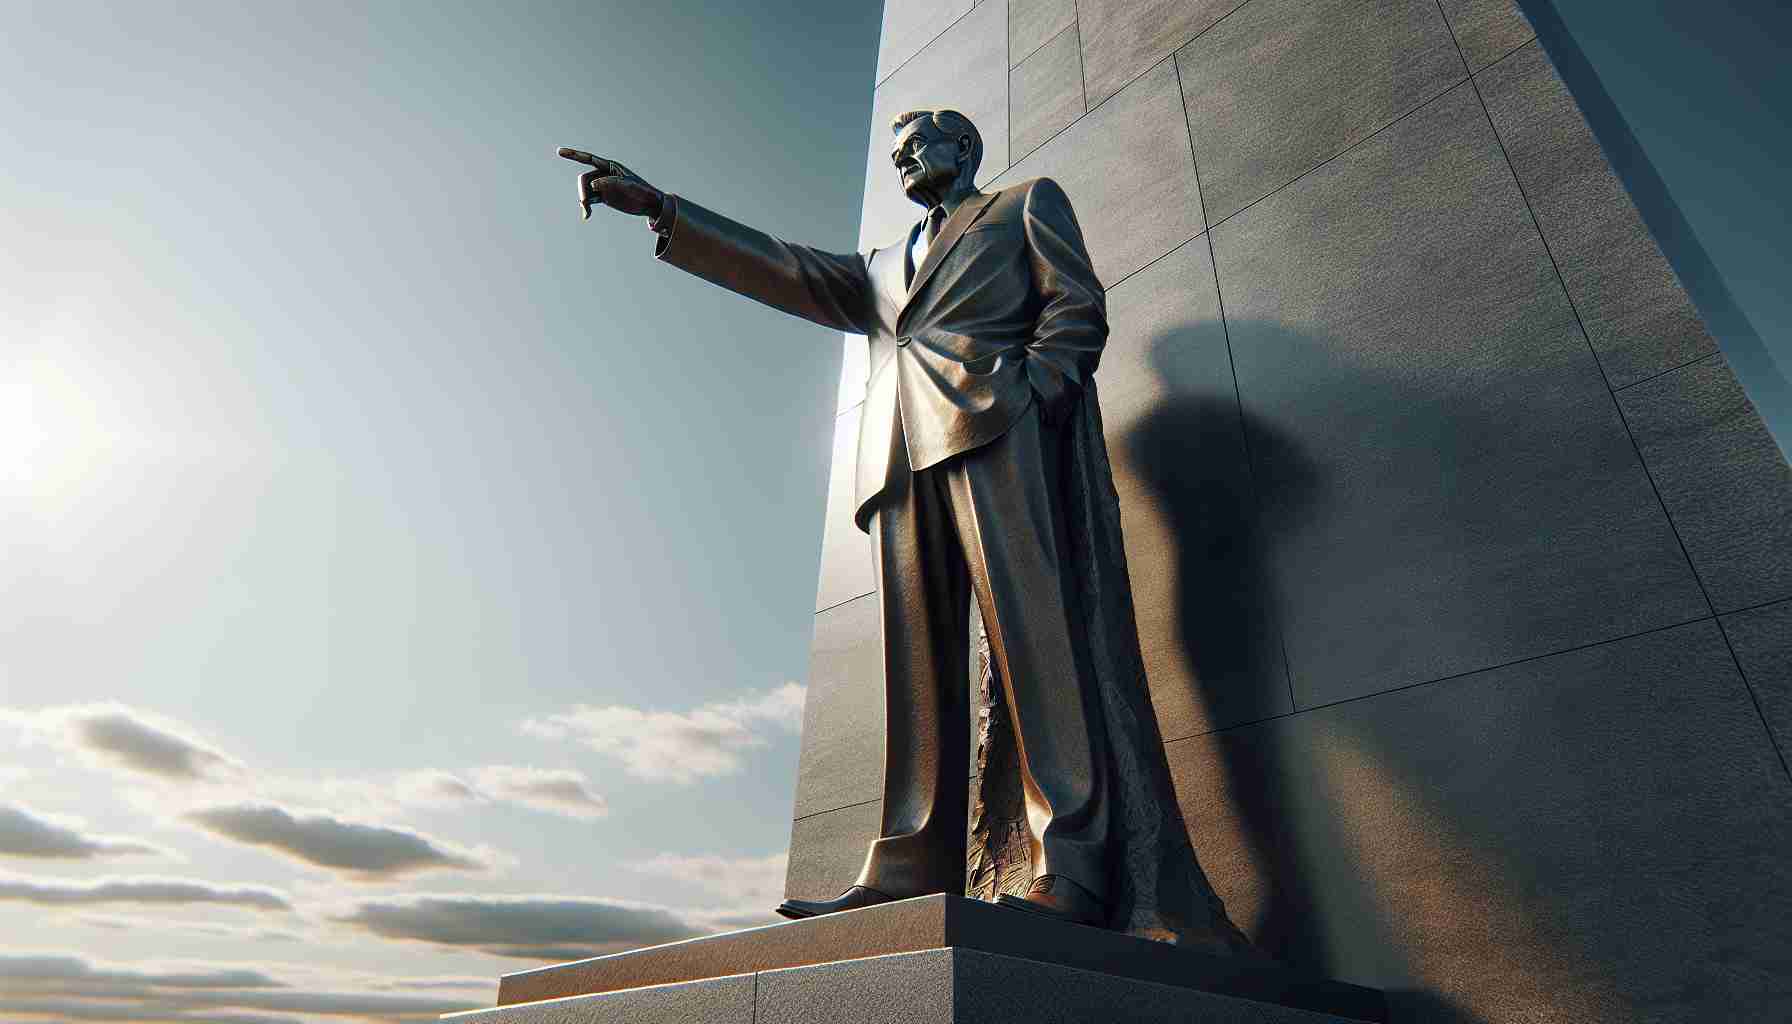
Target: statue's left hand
[(614, 186)]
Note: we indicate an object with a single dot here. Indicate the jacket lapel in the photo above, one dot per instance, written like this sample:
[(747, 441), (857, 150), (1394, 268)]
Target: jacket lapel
[(950, 232)]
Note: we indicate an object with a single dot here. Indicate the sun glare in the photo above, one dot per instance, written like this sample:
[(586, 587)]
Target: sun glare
[(59, 420)]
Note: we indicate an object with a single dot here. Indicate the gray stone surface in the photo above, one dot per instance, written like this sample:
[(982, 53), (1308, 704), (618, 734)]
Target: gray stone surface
[(711, 1001), (910, 25), (1486, 29), (847, 569), (1200, 580), (1762, 640), (893, 989), (843, 716), (966, 986), (1445, 485), (1032, 22), (1597, 836), (828, 849), (1127, 170), (1045, 93), (965, 69), (1282, 85), (1121, 38), (988, 987), (1722, 477), (855, 368), (933, 924), (1638, 317), (1450, 482)]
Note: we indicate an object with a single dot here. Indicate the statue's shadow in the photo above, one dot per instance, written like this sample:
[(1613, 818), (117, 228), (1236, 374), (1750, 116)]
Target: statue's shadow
[(1228, 487)]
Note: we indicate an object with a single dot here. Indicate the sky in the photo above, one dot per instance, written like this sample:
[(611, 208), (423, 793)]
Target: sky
[(402, 582)]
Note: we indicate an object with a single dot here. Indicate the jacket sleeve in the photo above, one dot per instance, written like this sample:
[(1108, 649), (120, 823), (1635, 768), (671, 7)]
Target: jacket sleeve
[(831, 289), (1073, 323)]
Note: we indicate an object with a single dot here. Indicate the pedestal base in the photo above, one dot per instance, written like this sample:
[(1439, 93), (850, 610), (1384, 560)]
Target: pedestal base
[(934, 960)]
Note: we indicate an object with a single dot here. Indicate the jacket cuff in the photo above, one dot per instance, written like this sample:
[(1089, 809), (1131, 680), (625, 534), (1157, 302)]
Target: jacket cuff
[(662, 224)]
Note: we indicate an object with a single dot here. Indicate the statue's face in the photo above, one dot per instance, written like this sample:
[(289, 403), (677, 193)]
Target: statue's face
[(927, 161)]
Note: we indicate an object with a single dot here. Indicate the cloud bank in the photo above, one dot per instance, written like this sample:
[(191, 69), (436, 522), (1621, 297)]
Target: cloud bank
[(170, 925), (28, 833), (558, 791), (143, 889), (525, 927), (64, 987), (128, 740), (354, 850), (677, 746)]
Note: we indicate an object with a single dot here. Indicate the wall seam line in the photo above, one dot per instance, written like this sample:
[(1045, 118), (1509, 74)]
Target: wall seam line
[(1672, 369), (830, 810), (1756, 606), (1244, 432), (849, 600), (1754, 698), (1012, 159), (1497, 60), (1599, 364), (1173, 51), (936, 38), (1082, 67), (1428, 101), (1618, 406), (1445, 679), (1152, 262)]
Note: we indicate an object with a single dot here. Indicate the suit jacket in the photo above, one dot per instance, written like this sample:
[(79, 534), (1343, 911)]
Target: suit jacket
[(1004, 307)]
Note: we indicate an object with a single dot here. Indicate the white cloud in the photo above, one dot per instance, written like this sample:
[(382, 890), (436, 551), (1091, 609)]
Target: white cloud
[(146, 889), (756, 878), (59, 968), (127, 740), (747, 887), (169, 925), (25, 832), (472, 982), (556, 791), (64, 987), (154, 748), (355, 850), (521, 926), (433, 788), (677, 746)]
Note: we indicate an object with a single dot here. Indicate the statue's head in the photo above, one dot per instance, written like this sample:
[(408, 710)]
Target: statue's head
[(935, 152)]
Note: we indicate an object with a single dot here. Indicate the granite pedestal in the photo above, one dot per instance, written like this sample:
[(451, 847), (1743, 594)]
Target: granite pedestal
[(941, 959)]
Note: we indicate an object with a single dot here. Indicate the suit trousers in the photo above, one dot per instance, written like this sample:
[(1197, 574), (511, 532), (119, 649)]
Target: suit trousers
[(988, 523)]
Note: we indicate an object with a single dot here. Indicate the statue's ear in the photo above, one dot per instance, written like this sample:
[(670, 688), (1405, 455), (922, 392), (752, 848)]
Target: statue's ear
[(964, 148)]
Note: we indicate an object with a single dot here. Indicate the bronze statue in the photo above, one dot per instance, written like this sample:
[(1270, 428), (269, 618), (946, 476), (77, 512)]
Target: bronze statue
[(981, 473)]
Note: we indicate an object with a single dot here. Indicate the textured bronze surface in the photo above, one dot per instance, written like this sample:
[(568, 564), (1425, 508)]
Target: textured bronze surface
[(935, 922), (982, 472)]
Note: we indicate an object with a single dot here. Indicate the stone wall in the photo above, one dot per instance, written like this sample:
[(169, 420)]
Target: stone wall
[(1463, 564)]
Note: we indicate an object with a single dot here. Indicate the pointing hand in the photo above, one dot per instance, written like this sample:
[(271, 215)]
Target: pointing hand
[(613, 185)]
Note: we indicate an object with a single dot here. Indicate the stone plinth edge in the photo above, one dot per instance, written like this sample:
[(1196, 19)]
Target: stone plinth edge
[(941, 923)]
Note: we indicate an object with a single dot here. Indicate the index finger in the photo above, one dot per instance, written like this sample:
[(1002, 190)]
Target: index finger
[(580, 156)]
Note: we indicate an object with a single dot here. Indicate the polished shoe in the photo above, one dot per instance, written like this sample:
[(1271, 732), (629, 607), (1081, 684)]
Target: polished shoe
[(852, 899), (1059, 897)]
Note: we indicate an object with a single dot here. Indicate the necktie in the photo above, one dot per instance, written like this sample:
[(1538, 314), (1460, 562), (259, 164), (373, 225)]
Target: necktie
[(918, 252)]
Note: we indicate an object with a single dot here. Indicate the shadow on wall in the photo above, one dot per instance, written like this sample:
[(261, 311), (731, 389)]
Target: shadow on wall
[(1311, 897), (1186, 453)]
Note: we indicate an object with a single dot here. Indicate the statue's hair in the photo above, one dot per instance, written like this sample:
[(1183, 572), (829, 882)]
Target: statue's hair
[(951, 124)]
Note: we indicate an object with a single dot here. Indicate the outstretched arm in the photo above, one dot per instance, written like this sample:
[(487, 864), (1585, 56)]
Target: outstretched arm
[(1073, 324), (831, 289)]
